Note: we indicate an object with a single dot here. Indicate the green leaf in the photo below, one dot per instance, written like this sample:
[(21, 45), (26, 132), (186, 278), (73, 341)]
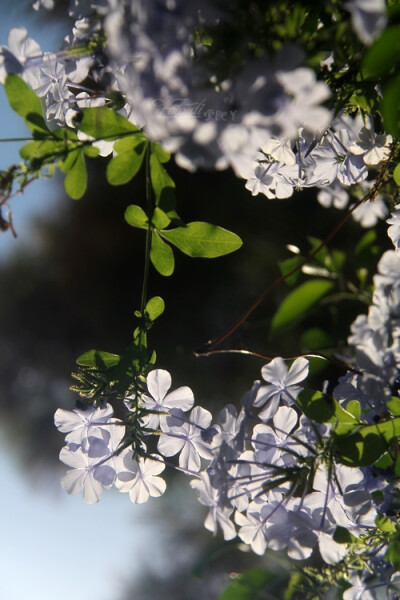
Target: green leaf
[(393, 552), (385, 461), (103, 123), (42, 151), (98, 359), (136, 217), (25, 103), (385, 524), (354, 408), (344, 421), (129, 142), (76, 179), (161, 255), (123, 167), (322, 408), (383, 55), (368, 443), (299, 301), (68, 162), (247, 586), (394, 406), (160, 220), (160, 180), (162, 155), (390, 108), (198, 239), (396, 175), (91, 151), (355, 451), (386, 429), (155, 307), (316, 405)]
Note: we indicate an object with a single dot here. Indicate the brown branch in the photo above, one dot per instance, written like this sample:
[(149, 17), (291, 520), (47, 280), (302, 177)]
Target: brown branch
[(335, 361), (369, 197), (217, 341)]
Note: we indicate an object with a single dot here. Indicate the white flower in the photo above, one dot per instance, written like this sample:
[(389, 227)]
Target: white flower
[(335, 160), (21, 49), (394, 229), (373, 147), (280, 150), (51, 74), (253, 528), (79, 424), (282, 385), (358, 590), (261, 181), (158, 384), (331, 552), (139, 478), (368, 18), (187, 436), (338, 493), (217, 515), (333, 194), (254, 525), (368, 213), (274, 444), (88, 475)]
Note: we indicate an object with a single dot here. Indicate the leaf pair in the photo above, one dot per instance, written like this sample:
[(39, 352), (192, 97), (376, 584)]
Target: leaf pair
[(196, 239)]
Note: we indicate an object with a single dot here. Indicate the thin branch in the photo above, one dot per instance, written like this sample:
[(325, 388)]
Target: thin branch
[(335, 361)]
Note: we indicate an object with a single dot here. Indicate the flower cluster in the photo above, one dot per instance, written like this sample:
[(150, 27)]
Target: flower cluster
[(376, 336), (267, 473), (336, 160), (288, 470), (264, 117)]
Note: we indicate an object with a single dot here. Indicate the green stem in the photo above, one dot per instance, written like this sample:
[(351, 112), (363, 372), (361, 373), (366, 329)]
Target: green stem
[(149, 231)]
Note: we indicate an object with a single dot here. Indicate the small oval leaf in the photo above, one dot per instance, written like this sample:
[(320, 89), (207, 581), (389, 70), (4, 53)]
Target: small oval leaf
[(160, 220), (136, 217), (76, 179), (162, 256), (123, 167), (98, 359), (198, 239), (155, 307), (25, 103), (396, 175)]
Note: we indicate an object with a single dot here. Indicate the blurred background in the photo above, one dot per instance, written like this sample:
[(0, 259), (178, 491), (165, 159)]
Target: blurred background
[(70, 282)]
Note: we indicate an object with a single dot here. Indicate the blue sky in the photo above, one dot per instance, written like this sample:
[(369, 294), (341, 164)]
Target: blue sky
[(53, 546), (40, 195)]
